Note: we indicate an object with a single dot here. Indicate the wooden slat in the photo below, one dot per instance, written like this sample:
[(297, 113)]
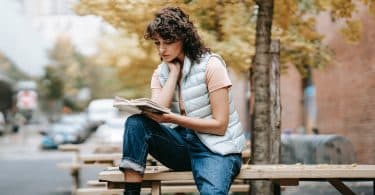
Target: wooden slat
[(307, 171), (261, 172), (101, 157), (96, 183), (164, 189), (77, 166), (99, 191), (69, 148)]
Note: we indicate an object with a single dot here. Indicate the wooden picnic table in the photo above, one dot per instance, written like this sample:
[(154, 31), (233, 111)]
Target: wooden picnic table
[(280, 175), (81, 160), (100, 158)]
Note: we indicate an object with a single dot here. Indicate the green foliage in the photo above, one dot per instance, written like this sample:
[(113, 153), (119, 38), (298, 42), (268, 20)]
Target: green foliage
[(51, 84)]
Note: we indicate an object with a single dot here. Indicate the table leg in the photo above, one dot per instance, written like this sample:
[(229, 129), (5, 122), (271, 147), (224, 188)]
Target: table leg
[(76, 181), (341, 187), (156, 188), (276, 188)]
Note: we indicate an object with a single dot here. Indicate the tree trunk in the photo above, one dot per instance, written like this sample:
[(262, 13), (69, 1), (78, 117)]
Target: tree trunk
[(260, 138), (275, 104)]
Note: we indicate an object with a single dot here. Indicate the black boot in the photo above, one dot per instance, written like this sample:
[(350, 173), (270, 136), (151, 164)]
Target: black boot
[(132, 188)]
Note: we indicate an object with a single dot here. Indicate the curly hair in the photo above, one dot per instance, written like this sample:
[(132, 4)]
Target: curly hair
[(172, 24)]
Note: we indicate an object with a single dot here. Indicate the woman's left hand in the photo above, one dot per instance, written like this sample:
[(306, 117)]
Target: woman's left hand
[(160, 118)]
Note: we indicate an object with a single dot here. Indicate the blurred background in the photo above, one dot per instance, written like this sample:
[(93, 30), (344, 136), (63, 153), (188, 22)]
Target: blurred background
[(62, 62)]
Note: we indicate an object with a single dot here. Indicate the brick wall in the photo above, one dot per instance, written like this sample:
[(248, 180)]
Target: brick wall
[(291, 100), (346, 89)]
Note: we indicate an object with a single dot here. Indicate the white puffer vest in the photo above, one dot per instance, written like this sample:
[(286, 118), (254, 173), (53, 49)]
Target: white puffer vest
[(195, 97)]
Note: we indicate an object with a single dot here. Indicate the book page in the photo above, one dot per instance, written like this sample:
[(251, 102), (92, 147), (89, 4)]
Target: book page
[(143, 104)]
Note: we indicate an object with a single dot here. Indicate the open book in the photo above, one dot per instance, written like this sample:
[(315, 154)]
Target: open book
[(143, 104)]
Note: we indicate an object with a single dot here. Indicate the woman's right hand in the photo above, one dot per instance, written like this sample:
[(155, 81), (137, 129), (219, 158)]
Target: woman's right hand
[(174, 68)]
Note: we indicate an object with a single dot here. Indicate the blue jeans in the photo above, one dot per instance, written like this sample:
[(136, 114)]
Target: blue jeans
[(179, 149)]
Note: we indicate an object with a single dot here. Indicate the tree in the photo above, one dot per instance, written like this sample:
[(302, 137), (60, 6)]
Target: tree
[(51, 85), (261, 127), (79, 72), (51, 88)]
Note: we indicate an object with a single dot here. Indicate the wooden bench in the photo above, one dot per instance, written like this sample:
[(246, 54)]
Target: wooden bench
[(280, 175), (80, 160), (96, 183), (165, 189)]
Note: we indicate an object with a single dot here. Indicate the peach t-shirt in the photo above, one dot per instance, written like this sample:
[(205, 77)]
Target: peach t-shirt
[(216, 78)]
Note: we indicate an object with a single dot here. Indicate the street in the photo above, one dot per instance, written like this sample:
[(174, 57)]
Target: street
[(27, 170)]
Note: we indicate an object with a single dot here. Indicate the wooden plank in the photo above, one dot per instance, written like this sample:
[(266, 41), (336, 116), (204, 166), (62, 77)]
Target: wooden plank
[(267, 172), (105, 191), (164, 189), (99, 191), (193, 188), (69, 148), (177, 182), (101, 157), (307, 171), (96, 183), (341, 187), (77, 166)]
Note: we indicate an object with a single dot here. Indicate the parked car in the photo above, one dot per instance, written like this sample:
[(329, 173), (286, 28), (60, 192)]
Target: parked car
[(72, 128), (2, 124), (100, 110), (111, 132)]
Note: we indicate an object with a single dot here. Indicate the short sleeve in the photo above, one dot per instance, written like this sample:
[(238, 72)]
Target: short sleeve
[(216, 75), (155, 82)]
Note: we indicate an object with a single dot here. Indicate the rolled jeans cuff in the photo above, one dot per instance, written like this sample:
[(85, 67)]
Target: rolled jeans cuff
[(128, 164)]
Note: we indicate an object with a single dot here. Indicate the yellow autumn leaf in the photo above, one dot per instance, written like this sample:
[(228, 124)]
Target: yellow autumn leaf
[(352, 31)]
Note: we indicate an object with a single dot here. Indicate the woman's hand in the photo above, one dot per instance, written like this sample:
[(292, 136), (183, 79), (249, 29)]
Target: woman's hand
[(160, 118), (174, 68), (164, 96)]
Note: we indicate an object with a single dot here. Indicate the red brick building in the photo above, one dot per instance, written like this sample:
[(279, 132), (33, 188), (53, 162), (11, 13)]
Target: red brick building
[(345, 90)]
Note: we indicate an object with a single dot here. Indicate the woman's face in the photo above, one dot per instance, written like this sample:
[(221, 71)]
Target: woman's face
[(168, 50)]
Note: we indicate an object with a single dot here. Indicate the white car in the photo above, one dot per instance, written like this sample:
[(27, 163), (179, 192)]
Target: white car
[(101, 110), (111, 132)]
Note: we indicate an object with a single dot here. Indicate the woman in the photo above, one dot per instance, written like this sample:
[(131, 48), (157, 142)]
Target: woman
[(203, 134)]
